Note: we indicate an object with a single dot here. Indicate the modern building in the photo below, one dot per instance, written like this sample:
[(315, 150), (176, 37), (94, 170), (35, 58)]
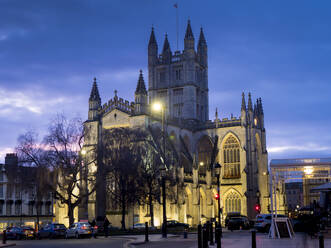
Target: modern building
[(294, 195), (311, 172), (179, 81), (19, 203)]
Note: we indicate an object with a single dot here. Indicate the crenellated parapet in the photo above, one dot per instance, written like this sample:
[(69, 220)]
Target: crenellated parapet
[(117, 103)]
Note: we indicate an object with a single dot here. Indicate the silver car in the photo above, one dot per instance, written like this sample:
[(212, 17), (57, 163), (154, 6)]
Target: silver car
[(78, 230), (263, 222)]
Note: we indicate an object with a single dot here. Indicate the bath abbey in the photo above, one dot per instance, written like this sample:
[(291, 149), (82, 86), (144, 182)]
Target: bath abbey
[(178, 81)]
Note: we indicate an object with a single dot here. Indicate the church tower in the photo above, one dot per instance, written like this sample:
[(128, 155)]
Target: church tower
[(94, 102), (179, 80)]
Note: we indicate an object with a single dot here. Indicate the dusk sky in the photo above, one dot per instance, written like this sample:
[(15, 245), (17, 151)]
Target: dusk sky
[(50, 51)]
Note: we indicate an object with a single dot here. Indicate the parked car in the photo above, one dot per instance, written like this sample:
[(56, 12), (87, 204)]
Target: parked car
[(175, 223), (79, 229), (99, 227), (231, 214), (263, 222), (14, 232), (52, 230), (141, 227), (29, 232), (241, 222)]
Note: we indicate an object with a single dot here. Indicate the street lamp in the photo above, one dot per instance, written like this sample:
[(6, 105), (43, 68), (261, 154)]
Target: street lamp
[(217, 168), (157, 107)]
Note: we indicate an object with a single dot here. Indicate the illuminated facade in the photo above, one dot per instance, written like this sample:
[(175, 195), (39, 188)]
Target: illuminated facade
[(179, 81)]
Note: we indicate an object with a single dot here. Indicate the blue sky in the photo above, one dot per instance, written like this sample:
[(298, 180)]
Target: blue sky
[(278, 50)]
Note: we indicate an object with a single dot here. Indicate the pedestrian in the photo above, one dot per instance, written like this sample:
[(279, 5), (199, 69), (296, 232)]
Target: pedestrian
[(105, 226)]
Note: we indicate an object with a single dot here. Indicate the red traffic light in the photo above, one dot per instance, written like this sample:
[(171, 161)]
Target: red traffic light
[(217, 196), (257, 208)]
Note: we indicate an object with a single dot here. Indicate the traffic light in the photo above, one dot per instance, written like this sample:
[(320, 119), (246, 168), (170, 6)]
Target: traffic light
[(217, 196), (257, 208)]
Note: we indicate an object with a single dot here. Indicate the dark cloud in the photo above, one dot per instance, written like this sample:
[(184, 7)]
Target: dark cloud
[(279, 51)]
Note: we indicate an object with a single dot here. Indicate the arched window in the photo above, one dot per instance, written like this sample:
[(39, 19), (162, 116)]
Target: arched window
[(231, 154), (205, 148), (233, 203)]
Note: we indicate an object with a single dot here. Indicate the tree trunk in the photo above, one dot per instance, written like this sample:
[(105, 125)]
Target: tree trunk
[(151, 208), (71, 214), (123, 212), (100, 177)]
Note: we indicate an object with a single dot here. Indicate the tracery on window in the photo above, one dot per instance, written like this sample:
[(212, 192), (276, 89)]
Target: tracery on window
[(233, 202), (231, 155)]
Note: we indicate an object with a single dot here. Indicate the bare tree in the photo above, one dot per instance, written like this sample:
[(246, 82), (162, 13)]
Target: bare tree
[(121, 157), (58, 160)]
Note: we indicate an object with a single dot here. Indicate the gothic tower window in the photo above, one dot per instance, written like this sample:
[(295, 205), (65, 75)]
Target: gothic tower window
[(233, 202), (231, 154), (178, 74)]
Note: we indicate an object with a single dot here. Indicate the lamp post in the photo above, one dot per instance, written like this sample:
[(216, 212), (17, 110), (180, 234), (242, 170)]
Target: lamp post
[(217, 168), (158, 107)]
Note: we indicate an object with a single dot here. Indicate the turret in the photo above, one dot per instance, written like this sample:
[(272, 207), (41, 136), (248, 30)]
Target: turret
[(94, 102), (243, 116), (202, 49), (250, 110), (189, 38), (256, 120), (166, 51), (261, 113), (140, 96), (152, 49)]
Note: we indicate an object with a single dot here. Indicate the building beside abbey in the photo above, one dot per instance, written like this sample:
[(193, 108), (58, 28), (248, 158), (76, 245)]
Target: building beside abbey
[(179, 80)]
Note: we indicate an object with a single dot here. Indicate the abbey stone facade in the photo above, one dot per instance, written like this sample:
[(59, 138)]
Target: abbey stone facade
[(179, 81)]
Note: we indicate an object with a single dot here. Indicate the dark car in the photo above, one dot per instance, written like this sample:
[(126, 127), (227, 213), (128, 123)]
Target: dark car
[(176, 224), (14, 232), (53, 230), (241, 222), (230, 215), (29, 232)]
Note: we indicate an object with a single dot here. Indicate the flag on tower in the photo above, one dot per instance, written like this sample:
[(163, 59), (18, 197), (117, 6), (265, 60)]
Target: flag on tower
[(176, 5)]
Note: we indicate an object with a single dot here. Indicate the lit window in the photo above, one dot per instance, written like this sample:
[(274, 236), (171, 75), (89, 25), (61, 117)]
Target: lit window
[(231, 154), (233, 203)]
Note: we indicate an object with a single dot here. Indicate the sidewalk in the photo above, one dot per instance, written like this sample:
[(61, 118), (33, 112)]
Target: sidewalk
[(262, 241), (7, 245), (234, 240), (140, 239)]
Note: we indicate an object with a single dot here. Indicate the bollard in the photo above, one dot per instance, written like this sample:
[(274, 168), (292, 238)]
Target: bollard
[(218, 237), (253, 239), (207, 225), (321, 240), (204, 238), (4, 237), (146, 231), (211, 234), (185, 233), (199, 236)]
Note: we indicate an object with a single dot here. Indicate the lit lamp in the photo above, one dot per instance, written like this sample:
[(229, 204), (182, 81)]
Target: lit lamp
[(308, 170), (157, 107)]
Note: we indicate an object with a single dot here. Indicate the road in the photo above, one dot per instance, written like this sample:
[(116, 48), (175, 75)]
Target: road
[(169, 243), (116, 242)]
